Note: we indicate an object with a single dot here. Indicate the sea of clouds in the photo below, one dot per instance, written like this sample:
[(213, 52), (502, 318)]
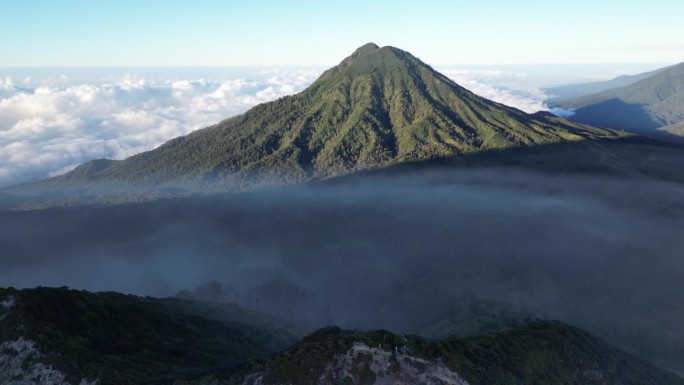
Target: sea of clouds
[(50, 125), (511, 88), (52, 120)]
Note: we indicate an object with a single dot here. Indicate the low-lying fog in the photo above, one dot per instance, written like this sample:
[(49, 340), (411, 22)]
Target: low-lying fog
[(392, 252)]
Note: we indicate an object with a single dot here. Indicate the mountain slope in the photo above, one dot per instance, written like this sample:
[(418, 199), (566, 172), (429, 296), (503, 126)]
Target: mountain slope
[(379, 106), (68, 336), (539, 353), (642, 107), (570, 91)]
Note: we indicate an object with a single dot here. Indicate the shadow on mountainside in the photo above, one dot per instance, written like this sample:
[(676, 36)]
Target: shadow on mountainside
[(630, 156), (590, 236), (618, 115)]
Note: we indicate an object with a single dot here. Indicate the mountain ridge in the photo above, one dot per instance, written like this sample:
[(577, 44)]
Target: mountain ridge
[(644, 107), (65, 336), (540, 353)]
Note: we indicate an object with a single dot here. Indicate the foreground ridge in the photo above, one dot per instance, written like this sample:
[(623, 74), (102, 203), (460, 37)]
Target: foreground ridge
[(63, 339)]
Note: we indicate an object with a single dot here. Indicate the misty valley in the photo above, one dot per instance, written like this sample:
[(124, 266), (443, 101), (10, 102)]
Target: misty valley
[(432, 253)]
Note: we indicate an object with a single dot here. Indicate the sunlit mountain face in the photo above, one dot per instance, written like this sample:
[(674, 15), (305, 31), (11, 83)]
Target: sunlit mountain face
[(379, 107), (57, 118)]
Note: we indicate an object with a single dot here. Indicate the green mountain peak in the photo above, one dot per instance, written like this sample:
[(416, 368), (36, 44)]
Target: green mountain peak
[(378, 107), (371, 58), (366, 48)]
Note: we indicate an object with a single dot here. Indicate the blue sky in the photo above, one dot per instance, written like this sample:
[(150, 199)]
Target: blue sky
[(306, 32)]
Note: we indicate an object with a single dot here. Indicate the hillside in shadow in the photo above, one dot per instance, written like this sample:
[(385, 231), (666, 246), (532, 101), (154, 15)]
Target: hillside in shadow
[(586, 232)]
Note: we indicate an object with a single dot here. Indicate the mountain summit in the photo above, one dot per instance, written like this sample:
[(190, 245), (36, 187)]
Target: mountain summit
[(379, 106)]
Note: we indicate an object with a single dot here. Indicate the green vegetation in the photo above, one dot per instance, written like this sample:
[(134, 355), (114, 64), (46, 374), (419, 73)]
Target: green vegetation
[(124, 339), (378, 107), (473, 319), (630, 156), (539, 353)]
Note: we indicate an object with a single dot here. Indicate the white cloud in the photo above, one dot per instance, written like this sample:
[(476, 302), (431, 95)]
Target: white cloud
[(7, 87), (51, 128), (563, 113), (506, 87)]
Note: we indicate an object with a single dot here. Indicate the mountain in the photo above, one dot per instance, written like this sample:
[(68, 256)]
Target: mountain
[(62, 336), (539, 353), (642, 107), (378, 107), (560, 93)]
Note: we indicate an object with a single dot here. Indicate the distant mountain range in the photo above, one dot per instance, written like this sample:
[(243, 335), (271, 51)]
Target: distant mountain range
[(558, 94), (61, 336), (652, 106), (378, 107)]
